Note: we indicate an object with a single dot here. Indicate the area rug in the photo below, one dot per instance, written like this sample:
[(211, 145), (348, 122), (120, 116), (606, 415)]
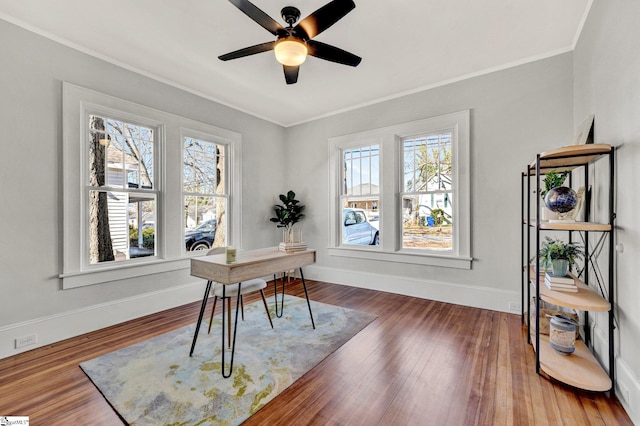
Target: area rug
[(155, 382)]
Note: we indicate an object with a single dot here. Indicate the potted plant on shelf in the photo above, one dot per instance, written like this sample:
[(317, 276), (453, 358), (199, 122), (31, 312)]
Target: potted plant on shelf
[(559, 255), (288, 214)]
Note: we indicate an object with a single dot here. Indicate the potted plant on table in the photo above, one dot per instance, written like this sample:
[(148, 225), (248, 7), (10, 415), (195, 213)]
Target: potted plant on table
[(288, 214), (559, 255)]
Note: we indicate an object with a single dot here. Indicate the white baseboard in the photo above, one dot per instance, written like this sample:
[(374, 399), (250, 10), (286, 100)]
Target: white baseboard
[(628, 390), (476, 296), (62, 326), (627, 383)]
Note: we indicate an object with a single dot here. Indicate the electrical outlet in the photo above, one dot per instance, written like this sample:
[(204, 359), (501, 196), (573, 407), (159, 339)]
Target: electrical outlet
[(514, 307), (31, 339)]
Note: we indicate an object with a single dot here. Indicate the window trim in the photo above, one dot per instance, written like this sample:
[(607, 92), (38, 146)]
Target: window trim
[(170, 254), (389, 138)]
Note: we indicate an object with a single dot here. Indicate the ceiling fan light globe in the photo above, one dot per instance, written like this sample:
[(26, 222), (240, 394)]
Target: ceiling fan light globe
[(290, 52)]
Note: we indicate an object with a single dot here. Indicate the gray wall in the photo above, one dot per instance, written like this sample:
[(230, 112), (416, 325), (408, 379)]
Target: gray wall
[(607, 84), (31, 76), (515, 113)]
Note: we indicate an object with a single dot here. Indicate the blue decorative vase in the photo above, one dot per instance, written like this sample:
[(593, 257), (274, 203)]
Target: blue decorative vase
[(561, 199)]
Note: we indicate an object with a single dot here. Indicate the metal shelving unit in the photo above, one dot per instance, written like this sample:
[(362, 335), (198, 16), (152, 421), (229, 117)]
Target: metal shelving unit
[(581, 369)]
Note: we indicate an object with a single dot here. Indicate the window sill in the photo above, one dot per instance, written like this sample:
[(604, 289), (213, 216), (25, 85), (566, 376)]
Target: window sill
[(366, 252), (120, 272)]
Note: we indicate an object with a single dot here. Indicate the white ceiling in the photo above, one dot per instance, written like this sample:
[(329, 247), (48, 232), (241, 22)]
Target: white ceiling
[(406, 45)]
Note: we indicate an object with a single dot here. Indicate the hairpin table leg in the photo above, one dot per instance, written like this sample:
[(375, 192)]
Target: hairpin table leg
[(204, 304), (235, 329), (275, 296), (307, 296)]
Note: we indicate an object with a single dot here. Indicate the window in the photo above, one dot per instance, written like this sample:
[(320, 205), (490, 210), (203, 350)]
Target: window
[(360, 190), (204, 192), (121, 196), (133, 178), (427, 215), (421, 201)]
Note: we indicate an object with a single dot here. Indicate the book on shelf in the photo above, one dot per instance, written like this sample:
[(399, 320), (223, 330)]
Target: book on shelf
[(567, 279), (556, 283), (561, 287), (573, 289), (292, 247)]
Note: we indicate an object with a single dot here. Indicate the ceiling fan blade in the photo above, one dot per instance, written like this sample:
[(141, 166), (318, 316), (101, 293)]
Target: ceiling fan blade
[(325, 17), (247, 51), (252, 11), (332, 53), (291, 74)]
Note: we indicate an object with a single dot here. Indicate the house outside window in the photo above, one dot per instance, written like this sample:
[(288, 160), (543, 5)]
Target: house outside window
[(122, 196), (423, 199)]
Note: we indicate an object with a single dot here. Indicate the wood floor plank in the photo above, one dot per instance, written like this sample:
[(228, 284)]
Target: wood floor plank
[(420, 362)]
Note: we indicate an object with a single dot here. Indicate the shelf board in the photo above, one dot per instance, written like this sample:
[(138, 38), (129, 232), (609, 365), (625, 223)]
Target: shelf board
[(584, 299), (570, 226), (569, 157), (580, 369)]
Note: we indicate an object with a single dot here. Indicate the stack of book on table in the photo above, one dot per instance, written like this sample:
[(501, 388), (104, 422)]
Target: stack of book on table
[(292, 247), (566, 283)]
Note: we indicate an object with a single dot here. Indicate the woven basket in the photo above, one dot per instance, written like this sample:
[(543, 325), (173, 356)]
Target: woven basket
[(547, 311)]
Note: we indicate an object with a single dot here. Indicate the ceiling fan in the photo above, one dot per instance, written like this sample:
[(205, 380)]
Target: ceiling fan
[(293, 44)]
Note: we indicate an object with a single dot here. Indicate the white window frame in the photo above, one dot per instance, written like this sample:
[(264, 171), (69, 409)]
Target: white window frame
[(232, 182), (391, 181), (342, 196), (170, 253), (89, 109)]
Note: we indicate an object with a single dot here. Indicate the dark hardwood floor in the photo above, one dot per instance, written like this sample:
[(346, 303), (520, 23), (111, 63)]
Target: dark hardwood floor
[(419, 363)]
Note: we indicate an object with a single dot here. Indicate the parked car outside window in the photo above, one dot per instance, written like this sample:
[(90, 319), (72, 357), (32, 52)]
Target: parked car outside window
[(356, 228), (201, 238)]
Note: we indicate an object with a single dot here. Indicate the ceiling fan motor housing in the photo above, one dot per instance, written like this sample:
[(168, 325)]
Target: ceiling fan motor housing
[(290, 15)]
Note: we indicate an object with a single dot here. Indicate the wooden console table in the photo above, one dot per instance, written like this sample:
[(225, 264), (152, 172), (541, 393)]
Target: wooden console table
[(249, 264)]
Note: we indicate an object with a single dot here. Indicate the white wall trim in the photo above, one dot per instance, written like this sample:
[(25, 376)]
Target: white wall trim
[(55, 328), (477, 296), (628, 390), (627, 384)]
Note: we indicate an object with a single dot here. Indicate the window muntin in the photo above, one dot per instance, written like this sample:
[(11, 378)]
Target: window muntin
[(205, 194), (360, 190), (428, 191), (121, 198)]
